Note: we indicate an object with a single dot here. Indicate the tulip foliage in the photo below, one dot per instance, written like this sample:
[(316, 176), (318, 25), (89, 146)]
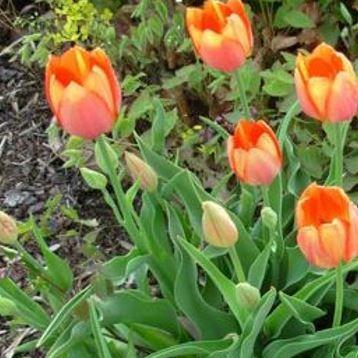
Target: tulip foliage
[(261, 265)]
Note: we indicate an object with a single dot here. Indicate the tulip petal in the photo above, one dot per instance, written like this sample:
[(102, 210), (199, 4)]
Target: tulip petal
[(267, 144), (309, 243), (306, 103), (55, 93), (319, 89), (240, 158), (235, 30), (97, 82), (352, 242), (99, 57), (332, 237), (84, 113), (343, 98), (261, 167), (220, 53), (238, 8), (230, 151)]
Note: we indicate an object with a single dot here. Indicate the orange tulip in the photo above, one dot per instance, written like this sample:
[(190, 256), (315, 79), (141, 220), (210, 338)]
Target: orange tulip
[(221, 33), (326, 85), (327, 226), (83, 92), (254, 153)]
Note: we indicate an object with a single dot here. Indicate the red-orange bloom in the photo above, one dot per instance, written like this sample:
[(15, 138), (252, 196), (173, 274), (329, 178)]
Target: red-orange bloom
[(327, 226), (221, 33), (254, 153), (83, 92), (326, 85)]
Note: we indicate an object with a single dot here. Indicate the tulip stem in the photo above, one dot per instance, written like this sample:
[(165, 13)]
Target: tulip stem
[(340, 138), (242, 92), (339, 297), (240, 275)]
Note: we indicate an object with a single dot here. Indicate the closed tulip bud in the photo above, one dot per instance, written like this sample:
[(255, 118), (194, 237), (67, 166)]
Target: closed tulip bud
[(247, 295), (327, 226), (254, 153), (8, 229), (83, 92), (141, 171), (218, 228), (326, 85), (269, 217), (221, 33)]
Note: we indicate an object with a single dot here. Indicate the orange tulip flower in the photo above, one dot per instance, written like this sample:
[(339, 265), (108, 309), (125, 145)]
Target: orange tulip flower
[(221, 33), (254, 153), (83, 92), (326, 85), (327, 226)]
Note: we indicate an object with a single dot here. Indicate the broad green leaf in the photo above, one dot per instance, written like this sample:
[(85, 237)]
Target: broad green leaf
[(301, 310), (298, 19), (286, 348), (225, 285), (101, 160), (132, 306), (193, 348), (100, 341), (254, 324), (190, 301), (158, 127), (280, 316), (258, 269), (25, 307), (64, 313), (297, 266)]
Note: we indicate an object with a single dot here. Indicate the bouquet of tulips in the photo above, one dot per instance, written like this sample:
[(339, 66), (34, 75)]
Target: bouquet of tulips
[(261, 273)]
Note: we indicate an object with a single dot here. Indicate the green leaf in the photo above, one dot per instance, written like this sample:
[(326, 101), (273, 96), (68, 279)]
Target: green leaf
[(94, 180), (158, 127), (258, 269), (193, 348), (25, 307), (297, 266), (58, 269), (100, 160), (281, 315), (64, 313), (190, 301), (100, 341), (225, 285), (133, 306), (286, 348), (298, 19), (254, 324), (301, 310)]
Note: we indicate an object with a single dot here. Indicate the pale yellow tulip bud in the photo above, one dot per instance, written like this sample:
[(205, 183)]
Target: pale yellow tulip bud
[(247, 295), (141, 171), (8, 229), (218, 227)]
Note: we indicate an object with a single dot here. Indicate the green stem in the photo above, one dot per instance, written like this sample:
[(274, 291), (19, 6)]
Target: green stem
[(240, 275), (339, 297), (339, 154), (242, 92)]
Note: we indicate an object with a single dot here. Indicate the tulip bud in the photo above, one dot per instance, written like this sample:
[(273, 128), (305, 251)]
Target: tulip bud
[(219, 229), (141, 171), (269, 217), (248, 296), (8, 229)]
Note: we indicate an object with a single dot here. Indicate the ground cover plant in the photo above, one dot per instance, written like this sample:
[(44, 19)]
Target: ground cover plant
[(220, 138)]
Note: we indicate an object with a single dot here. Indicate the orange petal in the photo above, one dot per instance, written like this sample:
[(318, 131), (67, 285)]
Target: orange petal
[(318, 89), (230, 152), (343, 98), (99, 57), (55, 93), (220, 53), (333, 238), (84, 113), (306, 103), (352, 242), (238, 8), (240, 158), (261, 167), (194, 17), (236, 30), (309, 243), (97, 82)]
